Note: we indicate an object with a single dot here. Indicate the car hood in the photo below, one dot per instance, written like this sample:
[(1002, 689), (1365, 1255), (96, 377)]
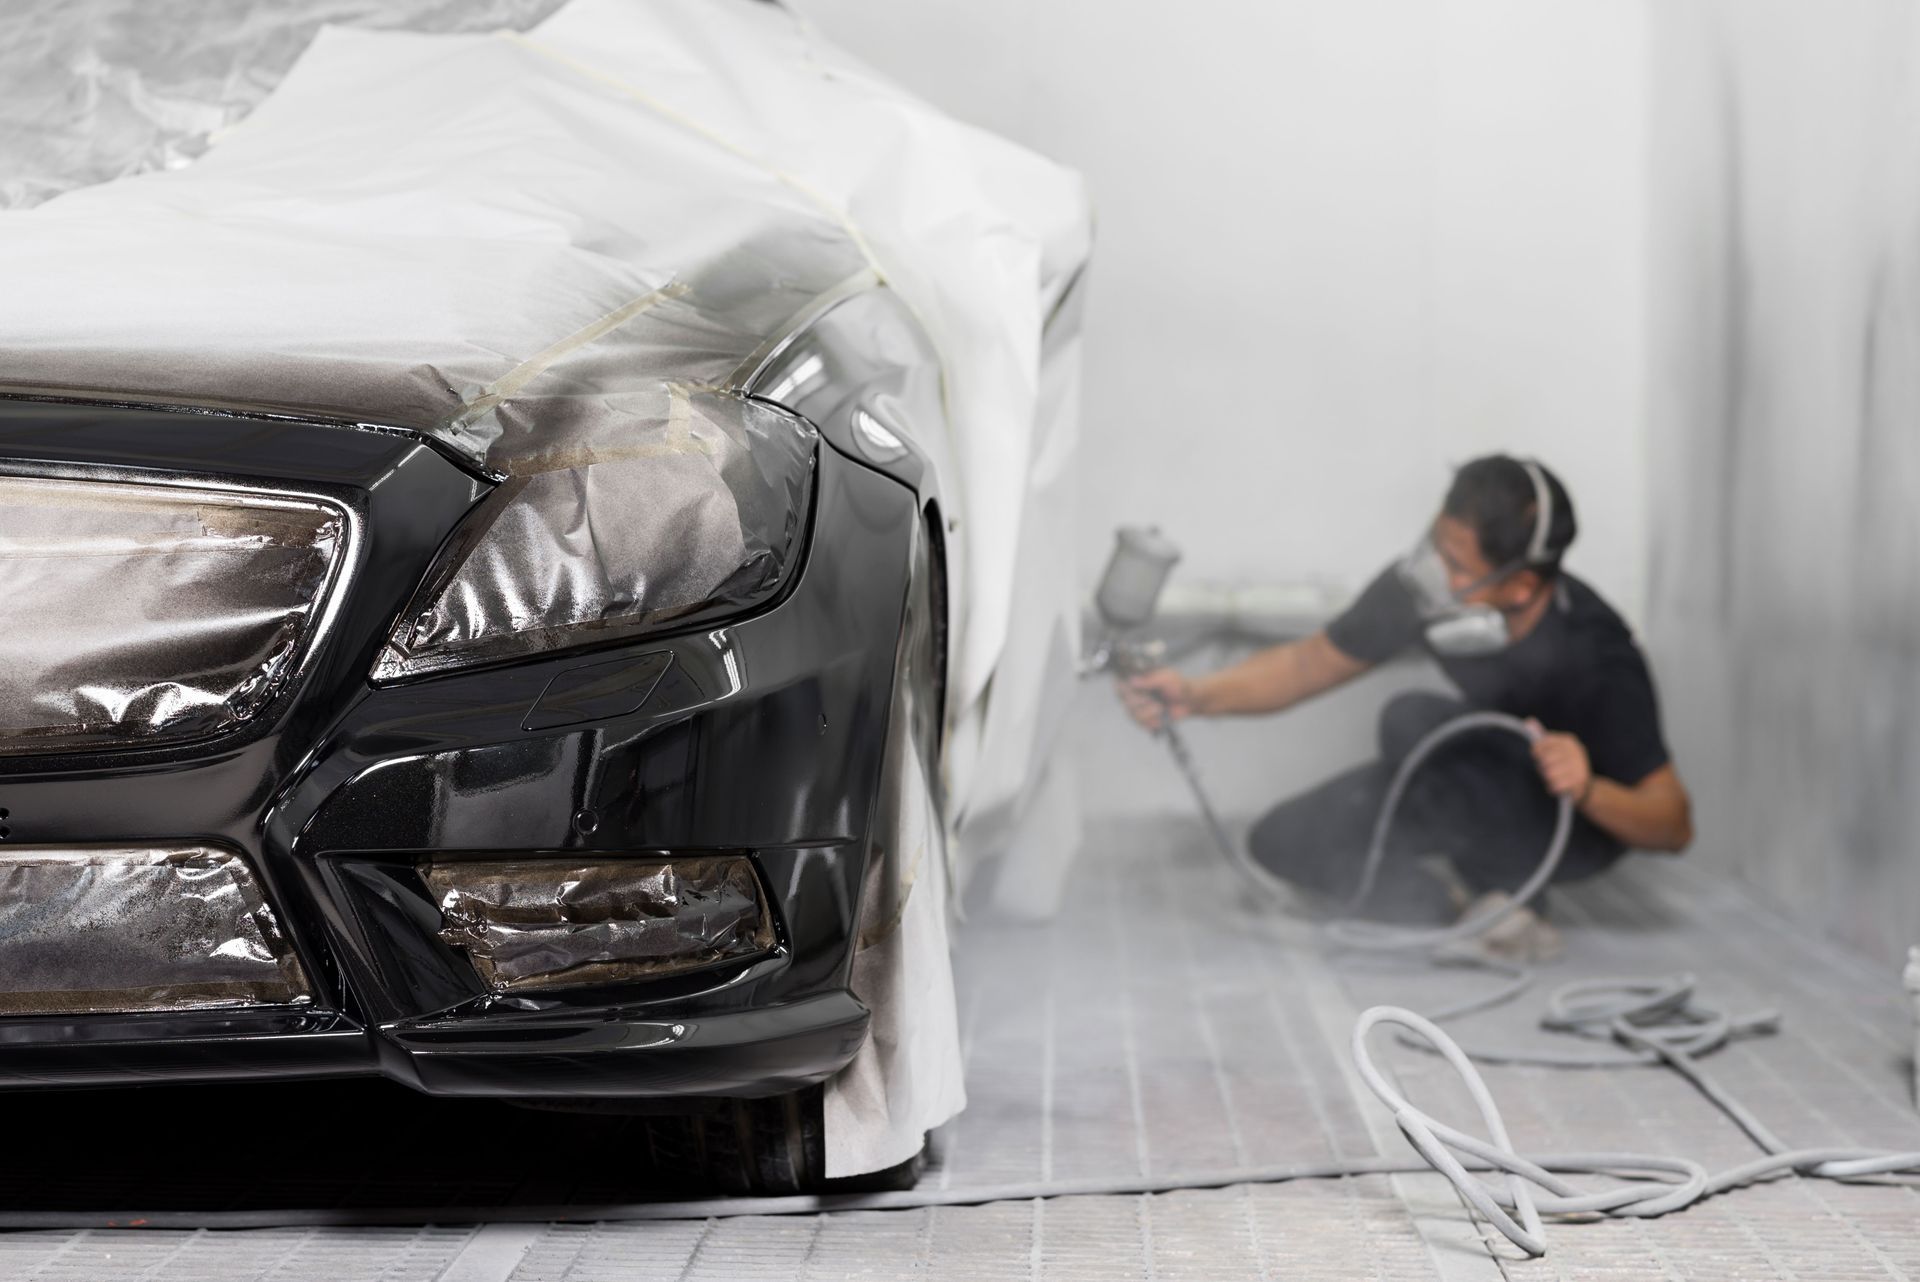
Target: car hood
[(468, 235)]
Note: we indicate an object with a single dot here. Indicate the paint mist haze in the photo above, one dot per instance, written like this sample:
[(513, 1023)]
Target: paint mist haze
[(1671, 247)]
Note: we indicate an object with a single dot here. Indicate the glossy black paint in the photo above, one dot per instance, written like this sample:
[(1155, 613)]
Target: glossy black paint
[(103, 1050), (594, 691), (763, 735), (864, 363)]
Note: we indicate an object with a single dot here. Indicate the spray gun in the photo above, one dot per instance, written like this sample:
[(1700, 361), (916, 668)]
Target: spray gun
[(1126, 599)]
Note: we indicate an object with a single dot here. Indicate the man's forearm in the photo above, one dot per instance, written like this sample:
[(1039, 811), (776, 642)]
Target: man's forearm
[(1652, 815), (1275, 678)]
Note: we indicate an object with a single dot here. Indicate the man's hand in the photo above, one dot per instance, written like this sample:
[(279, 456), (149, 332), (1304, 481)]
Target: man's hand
[(1156, 696), (1563, 763)]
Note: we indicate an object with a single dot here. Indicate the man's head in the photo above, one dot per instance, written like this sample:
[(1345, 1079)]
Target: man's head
[(1486, 527)]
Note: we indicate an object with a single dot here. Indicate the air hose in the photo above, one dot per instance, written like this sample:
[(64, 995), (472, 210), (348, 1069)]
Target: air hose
[(1393, 938), (1647, 1022), (1360, 934)]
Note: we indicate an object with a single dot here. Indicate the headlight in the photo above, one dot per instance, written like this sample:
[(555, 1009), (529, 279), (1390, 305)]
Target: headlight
[(145, 614), (692, 518)]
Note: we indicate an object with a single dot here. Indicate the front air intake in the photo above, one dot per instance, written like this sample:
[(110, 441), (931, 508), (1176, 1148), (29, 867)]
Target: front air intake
[(111, 929), (529, 923)]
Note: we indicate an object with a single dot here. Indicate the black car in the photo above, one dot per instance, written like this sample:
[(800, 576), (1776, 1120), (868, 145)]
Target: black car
[(527, 736)]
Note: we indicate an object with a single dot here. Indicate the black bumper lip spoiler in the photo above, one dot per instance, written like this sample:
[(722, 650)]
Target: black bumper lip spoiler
[(758, 1052), (764, 1051)]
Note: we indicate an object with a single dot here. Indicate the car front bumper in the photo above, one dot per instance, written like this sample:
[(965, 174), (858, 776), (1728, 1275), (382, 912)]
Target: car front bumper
[(759, 737)]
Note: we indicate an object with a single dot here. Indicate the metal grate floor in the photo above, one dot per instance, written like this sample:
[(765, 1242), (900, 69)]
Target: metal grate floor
[(1157, 1026)]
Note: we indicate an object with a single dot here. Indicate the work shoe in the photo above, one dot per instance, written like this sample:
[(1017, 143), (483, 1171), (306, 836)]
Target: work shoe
[(1521, 936)]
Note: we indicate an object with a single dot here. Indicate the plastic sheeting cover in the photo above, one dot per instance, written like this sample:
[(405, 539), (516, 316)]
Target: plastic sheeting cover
[(101, 89), (155, 612), (528, 924), (908, 1076), (531, 245), (91, 930)]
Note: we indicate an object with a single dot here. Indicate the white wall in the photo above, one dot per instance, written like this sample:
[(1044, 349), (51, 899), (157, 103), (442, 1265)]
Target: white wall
[(1343, 244), (1785, 603)]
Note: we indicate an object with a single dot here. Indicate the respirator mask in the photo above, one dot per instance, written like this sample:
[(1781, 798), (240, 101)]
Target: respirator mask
[(1454, 627)]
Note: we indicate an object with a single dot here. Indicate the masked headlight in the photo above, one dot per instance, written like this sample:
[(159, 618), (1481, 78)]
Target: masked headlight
[(144, 614), (699, 515)]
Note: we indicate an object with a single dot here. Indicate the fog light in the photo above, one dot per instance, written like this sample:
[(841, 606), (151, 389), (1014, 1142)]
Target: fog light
[(101, 929), (533, 923)]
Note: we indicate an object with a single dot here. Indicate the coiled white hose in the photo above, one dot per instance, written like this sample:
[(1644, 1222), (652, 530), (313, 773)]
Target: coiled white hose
[(1648, 1022), (1646, 1184), (1362, 934)]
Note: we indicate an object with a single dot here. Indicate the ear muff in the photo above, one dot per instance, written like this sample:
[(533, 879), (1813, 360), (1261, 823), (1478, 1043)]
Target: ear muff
[(1538, 550), (1459, 630)]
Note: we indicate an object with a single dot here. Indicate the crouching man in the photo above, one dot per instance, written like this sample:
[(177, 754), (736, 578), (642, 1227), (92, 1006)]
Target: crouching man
[(1484, 593)]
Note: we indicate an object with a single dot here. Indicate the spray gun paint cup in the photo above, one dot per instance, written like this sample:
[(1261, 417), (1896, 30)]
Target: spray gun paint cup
[(1136, 574)]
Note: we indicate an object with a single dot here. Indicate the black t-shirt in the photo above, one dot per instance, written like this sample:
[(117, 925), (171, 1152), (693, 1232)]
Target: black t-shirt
[(1578, 672)]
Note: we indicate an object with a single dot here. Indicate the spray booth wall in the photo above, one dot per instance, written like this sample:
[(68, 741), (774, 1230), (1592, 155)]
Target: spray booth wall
[(1343, 244), (1672, 246), (1785, 451)]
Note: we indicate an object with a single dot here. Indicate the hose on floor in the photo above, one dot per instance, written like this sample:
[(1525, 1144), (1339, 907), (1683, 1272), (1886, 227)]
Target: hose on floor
[(1645, 1184), (1648, 1022)]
